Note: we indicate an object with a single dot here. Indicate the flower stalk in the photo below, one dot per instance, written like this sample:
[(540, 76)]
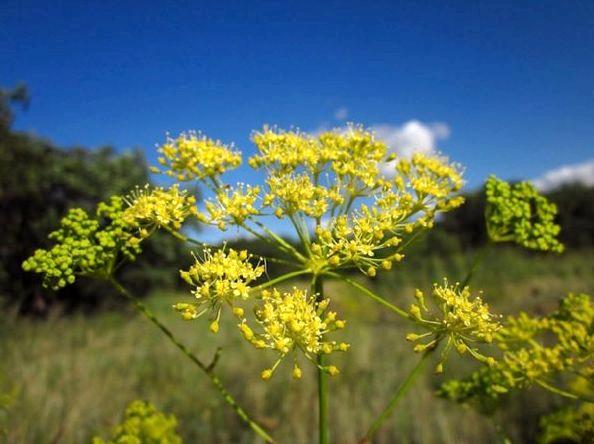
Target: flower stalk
[(207, 369)]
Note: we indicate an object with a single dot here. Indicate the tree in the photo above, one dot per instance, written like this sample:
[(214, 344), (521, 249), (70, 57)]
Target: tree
[(39, 182)]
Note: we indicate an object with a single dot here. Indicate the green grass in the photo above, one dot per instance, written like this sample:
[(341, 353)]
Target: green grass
[(75, 375)]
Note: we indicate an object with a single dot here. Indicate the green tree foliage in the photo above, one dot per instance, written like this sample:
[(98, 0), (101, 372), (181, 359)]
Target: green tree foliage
[(39, 183)]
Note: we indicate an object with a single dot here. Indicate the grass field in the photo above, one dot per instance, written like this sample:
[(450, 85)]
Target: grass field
[(74, 375)]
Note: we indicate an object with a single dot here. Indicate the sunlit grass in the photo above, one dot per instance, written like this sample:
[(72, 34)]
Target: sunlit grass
[(75, 375)]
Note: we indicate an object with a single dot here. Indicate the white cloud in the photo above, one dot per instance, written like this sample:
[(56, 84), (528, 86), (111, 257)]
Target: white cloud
[(341, 113), (413, 136), (582, 173)]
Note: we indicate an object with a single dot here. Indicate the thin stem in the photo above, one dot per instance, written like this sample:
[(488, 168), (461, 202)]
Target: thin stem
[(182, 237), (370, 293), (300, 233), (404, 387), (281, 241), (279, 279), (276, 260), (144, 310), (475, 263), (563, 393), (268, 239), (323, 405)]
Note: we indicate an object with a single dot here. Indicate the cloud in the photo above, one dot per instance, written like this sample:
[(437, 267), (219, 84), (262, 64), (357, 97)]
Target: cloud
[(582, 173), (341, 113), (413, 136)]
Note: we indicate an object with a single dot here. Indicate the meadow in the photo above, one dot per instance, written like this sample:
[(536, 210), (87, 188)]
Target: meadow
[(73, 375)]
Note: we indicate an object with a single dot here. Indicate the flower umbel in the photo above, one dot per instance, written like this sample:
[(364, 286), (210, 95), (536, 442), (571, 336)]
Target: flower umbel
[(232, 206), (85, 246), (220, 278), (158, 207), (534, 350), (462, 319), (143, 423), (193, 156), (518, 213), (293, 321)]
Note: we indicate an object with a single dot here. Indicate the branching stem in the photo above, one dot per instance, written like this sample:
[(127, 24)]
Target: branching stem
[(144, 310), (370, 293)]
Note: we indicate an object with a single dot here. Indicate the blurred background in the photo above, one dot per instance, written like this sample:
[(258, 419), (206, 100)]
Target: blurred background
[(86, 91)]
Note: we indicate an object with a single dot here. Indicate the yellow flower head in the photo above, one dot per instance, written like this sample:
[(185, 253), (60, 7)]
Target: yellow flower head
[(232, 206), (297, 193), (293, 321), (361, 201), (193, 156), (461, 318), (220, 278), (534, 350), (143, 423), (158, 207)]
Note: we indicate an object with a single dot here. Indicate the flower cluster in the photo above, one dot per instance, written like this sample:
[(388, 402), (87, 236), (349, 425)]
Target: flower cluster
[(360, 201), (158, 208), (290, 194), (291, 321), (370, 237), (462, 319), (232, 206), (143, 424), (220, 278), (354, 156), (534, 350), (571, 425), (518, 213), (85, 246), (194, 156)]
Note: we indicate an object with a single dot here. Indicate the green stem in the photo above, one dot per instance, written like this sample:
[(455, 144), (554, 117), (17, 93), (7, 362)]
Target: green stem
[(475, 263), (323, 405), (182, 237), (270, 240), (370, 293), (404, 387), (143, 309), (279, 279), (281, 241), (561, 392)]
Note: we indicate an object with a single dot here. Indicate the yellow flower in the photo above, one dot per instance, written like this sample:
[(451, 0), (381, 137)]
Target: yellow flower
[(461, 320), (220, 278), (158, 207), (232, 206), (534, 350), (194, 156), (293, 321)]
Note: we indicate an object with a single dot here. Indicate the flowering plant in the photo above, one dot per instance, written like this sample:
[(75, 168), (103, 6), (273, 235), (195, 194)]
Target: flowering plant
[(354, 207)]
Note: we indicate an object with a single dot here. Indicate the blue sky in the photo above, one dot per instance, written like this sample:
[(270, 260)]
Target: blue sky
[(501, 87)]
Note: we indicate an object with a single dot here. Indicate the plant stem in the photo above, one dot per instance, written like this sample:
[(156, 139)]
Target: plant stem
[(324, 433), (279, 279), (478, 258), (369, 293), (281, 241), (144, 310), (402, 389)]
